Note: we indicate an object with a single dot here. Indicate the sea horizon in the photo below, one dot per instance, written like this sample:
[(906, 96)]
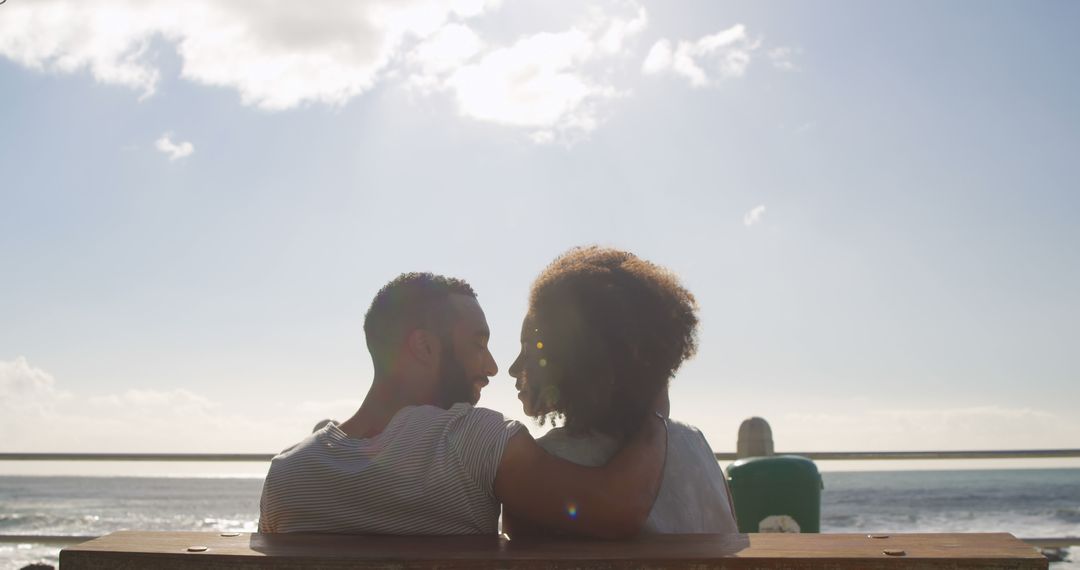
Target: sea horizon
[(257, 470), (1028, 503)]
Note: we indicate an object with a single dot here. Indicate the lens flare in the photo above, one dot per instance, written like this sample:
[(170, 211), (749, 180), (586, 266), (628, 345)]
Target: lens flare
[(571, 510), (543, 362), (539, 345)]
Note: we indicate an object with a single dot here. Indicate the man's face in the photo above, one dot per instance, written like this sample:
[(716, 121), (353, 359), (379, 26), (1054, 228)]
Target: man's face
[(465, 363)]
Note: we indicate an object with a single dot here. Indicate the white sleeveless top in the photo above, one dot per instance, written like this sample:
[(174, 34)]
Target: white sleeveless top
[(693, 497)]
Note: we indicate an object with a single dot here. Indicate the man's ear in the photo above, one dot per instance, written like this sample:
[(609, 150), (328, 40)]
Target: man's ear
[(423, 346)]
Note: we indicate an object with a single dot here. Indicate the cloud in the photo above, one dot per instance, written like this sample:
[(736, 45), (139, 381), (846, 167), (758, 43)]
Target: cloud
[(781, 58), (25, 391), (110, 39), (24, 386), (184, 401), (174, 150), (279, 55), (722, 55), (545, 82), (829, 421), (612, 40), (443, 52), (658, 59), (338, 409), (35, 415), (753, 216), (276, 54), (987, 427), (532, 83)]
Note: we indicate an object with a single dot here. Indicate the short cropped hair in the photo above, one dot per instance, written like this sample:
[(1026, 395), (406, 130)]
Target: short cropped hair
[(411, 301), (615, 328)]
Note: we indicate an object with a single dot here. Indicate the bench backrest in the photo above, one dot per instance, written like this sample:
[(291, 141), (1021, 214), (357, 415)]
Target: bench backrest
[(174, 550)]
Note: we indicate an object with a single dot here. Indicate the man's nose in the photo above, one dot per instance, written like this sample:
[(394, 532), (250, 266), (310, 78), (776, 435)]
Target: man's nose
[(491, 368)]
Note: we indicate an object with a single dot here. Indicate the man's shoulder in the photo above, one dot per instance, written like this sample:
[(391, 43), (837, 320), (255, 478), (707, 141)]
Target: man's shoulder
[(411, 421), (462, 420), (293, 458), (295, 448), (472, 418), (480, 412), (459, 411), (411, 428)]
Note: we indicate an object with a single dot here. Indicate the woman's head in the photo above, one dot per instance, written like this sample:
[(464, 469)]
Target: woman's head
[(605, 332)]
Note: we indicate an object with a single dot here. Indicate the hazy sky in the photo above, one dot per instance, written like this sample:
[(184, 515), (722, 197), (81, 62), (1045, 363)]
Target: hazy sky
[(875, 205)]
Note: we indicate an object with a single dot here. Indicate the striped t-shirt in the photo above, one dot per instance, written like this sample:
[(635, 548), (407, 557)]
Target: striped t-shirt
[(430, 471)]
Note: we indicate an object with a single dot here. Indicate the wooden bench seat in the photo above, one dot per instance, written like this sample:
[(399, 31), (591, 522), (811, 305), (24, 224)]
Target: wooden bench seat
[(174, 550)]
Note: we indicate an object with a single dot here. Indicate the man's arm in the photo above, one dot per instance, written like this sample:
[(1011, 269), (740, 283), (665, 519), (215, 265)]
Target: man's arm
[(607, 502)]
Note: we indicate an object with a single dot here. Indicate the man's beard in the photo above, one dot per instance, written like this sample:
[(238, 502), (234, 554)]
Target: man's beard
[(455, 386)]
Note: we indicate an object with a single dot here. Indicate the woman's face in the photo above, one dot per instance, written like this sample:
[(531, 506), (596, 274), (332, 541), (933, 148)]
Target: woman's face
[(529, 369)]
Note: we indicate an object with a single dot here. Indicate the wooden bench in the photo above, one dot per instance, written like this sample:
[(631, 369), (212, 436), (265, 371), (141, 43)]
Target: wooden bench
[(174, 550)]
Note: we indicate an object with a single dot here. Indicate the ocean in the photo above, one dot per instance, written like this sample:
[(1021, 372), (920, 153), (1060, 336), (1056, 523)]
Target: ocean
[(1025, 502)]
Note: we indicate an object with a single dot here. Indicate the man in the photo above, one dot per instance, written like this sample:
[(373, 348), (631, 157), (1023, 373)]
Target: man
[(419, 458)]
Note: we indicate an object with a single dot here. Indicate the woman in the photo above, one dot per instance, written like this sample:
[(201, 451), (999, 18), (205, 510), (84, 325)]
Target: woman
[(604, 333)]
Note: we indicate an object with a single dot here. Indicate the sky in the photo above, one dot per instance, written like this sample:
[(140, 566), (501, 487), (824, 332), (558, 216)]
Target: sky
[(874, 204)]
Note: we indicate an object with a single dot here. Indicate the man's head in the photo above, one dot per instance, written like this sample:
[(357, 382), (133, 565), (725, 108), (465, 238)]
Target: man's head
[(428, 333)]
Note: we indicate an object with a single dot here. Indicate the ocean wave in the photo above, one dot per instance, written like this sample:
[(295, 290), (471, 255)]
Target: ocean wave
[(19, 555), (45, 523), (841, 520), (1068, 514)]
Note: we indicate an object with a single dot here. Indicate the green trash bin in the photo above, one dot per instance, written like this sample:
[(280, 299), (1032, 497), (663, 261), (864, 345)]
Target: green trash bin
[(776, 490)]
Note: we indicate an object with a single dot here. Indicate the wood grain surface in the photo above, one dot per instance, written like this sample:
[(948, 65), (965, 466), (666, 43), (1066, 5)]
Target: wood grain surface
[(170, 550)]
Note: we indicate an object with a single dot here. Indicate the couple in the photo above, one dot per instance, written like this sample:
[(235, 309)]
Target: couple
[(604, 333)]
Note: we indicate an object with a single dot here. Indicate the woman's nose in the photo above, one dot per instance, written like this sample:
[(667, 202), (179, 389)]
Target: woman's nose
[(515, 368)]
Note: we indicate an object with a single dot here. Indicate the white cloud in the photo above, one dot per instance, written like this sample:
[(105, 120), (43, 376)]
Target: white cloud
[(37, 416), (175, 150), (25, 387), (659, 58), (445, 51), (178, 400), (339, 409), (724, 54), (279, 55), (612, 40), (110, 39), (986, 427), (754, 216), (781, 58), (542, 137), (276, 54), (532, 83), (830, 421), (544, 82)]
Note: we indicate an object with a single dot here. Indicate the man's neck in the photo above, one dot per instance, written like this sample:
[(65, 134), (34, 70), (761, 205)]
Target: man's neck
[(383, 400)]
